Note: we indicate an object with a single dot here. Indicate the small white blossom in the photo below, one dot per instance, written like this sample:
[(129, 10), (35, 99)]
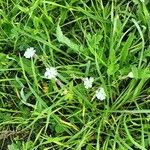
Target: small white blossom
[(51, 73), (100, 94), (130, 75), (88, 82), (30, 52)]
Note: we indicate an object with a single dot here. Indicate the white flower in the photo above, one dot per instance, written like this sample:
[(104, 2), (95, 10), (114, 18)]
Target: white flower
[(88, 82), (51, 73), (100, 94), (130, 75), (30, 52)]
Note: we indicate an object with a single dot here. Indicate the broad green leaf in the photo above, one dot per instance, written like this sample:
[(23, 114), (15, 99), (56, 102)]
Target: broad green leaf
[(135, 72), (125, 49), (63, 39), (112, 68)]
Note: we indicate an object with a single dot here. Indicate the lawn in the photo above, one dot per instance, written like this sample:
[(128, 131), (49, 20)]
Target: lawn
[(74, 75)]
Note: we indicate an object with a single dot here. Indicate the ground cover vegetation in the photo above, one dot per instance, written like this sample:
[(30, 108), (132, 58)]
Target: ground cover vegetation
[(74, 74)]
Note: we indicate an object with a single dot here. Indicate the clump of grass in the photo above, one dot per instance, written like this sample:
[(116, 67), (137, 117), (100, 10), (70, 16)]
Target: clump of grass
[(105, 40)]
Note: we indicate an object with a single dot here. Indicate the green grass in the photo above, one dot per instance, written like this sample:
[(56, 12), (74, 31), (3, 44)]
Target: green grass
[(104, 39)]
